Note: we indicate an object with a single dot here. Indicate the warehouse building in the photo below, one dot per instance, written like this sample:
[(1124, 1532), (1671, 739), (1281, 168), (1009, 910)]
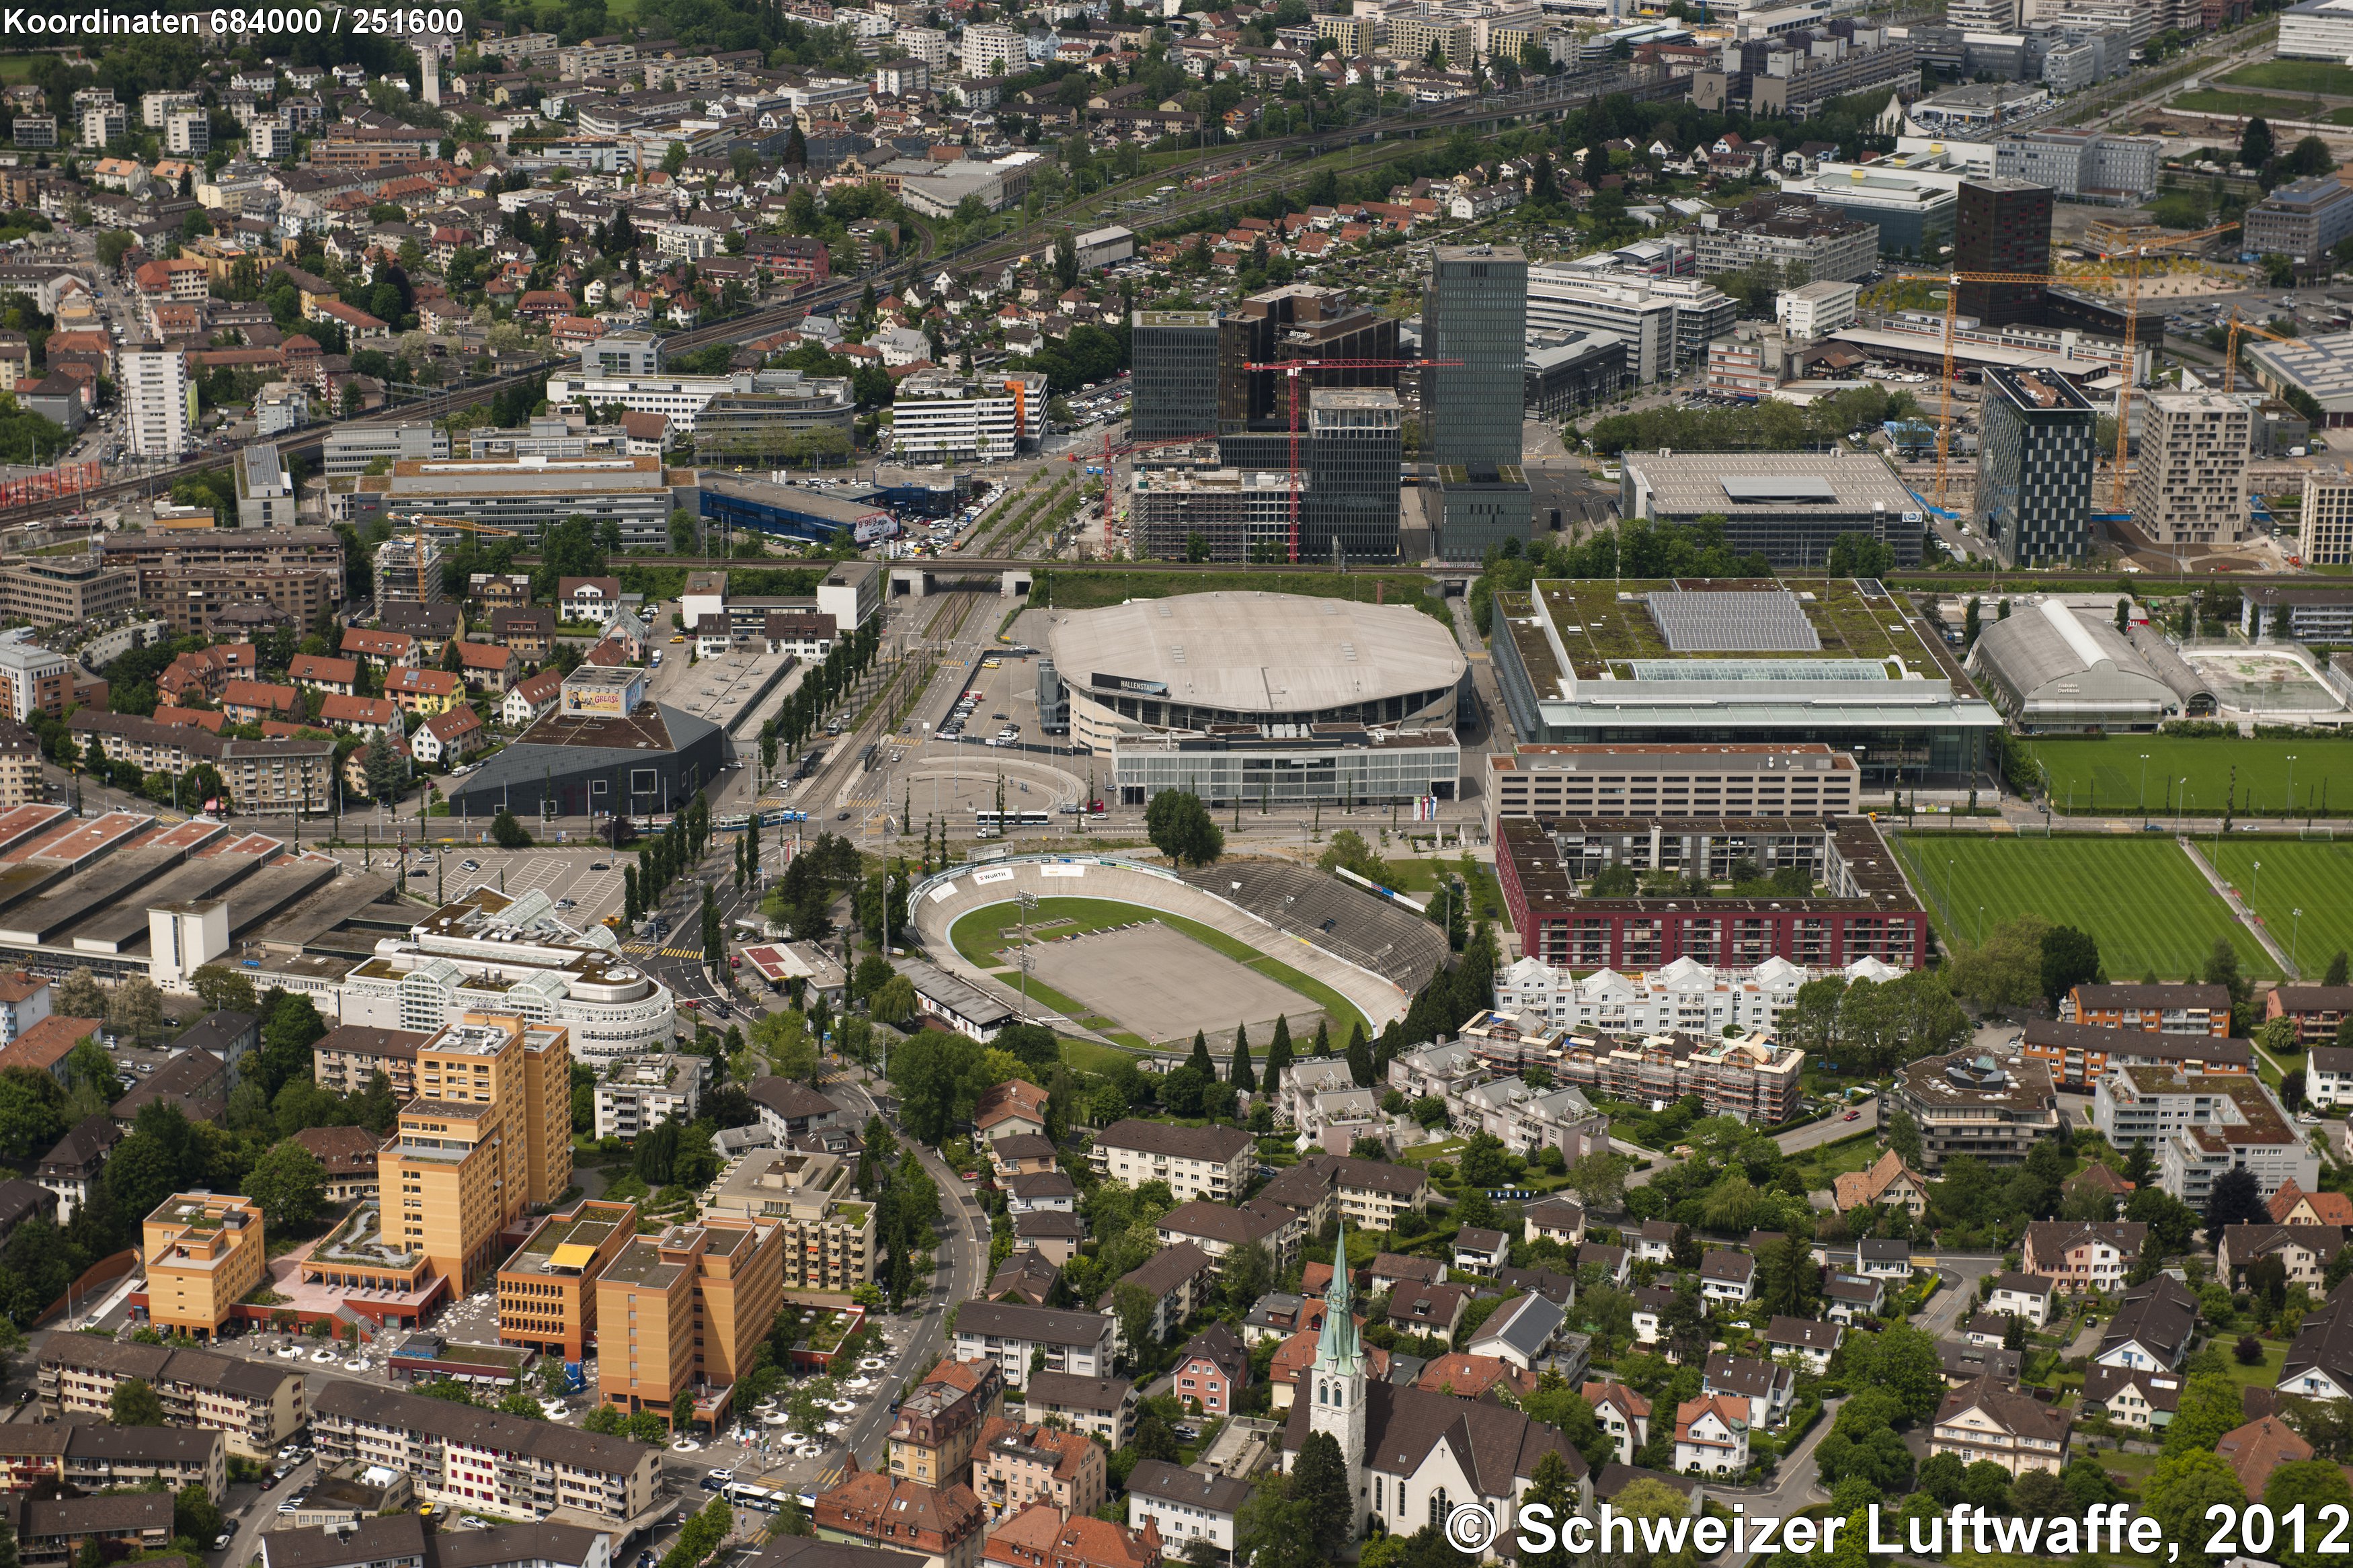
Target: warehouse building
[(1787, 507), (2320, 367), (2054, 670)]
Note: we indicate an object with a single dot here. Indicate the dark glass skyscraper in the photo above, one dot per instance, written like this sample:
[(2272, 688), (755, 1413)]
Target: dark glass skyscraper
[(2034, 470), (1174, 354), (1355, 447), (2002, 225), (1475, 309)]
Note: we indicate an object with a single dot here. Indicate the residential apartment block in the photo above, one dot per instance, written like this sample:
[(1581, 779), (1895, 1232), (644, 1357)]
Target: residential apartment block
[(204, 1254), (1986, 1420), (1731, 780), (256, 1407), (1212, 1163), (828, 1234), (487, 1139), (461, 1457), (1075, 1343), (638, 1095), (547, 1288), (2201, 1125), (1966, 1103), (2190, 487), (2080, 1055), (680, 1313), (939, 1424), (2180, 1009), (345, 1060)]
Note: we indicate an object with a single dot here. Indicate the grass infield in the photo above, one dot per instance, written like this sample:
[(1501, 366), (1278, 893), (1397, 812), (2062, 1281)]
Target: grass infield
[(2105, 777)]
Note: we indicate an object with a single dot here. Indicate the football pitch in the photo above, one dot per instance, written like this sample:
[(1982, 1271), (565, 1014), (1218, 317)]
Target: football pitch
[(2139, 898), (2093, 777), (2314, 876)]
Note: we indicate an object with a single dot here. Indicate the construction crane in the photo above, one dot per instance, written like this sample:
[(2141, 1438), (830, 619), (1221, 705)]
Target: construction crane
[(419, 523), (2231, 363), (1289, 369)]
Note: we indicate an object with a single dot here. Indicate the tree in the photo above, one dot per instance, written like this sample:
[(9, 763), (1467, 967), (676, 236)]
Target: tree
[(1361, 1070), (2208, 1407), (1066, 259), (892, 1002), (2180, 1490), (79, 996), (1239, 1074), (2235, 1198), (136, 1007), (1180, 828), (2070, 958), (2005, 969), (2256, 145), (1599, 1178), (1319, 1487), (223, 989), (289, 1184), (135, 1402), (507, 832), (2336, 969), (194, 1515), (2312, 1485), (1904, 1137)]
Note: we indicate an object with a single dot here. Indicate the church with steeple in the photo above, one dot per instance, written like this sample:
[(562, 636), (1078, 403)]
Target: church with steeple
[(1413, 1455)]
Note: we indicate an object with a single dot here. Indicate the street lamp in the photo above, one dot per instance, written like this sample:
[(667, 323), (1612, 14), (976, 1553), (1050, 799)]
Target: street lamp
[(2294, 933), (2291, 783), (2144, 789), (2255, 883)]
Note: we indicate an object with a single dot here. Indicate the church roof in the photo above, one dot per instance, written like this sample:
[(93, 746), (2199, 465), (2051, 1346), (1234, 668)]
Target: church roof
[(1496, 1444)]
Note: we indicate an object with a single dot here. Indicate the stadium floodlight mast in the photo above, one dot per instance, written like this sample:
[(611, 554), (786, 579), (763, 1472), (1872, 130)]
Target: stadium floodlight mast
[(2144, 789), (2295, 939)]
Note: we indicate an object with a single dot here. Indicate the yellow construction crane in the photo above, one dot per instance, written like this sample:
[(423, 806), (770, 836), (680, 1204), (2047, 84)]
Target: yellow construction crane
[(2231, 363), (417, 525), (2131, 281)]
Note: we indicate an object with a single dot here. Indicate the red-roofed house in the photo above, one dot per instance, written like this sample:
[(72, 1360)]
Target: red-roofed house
[(488, 666), (1038, 1537), (1471, 1376), (45, 1046), (532, 699), (941, 1524), (423, 692), (207, 719), (2293, 1205), (251, 701), (334, 675), (1711, 1435), (1623, 1414), (383, 650), (1015, 1466), (369, 716), (450, 737)]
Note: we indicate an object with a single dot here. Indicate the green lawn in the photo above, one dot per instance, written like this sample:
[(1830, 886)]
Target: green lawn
[(981, 932), (2208, 98), (2105, 777), (2314, 876), (2137, 896), (1825, 1161), (2297, 76)]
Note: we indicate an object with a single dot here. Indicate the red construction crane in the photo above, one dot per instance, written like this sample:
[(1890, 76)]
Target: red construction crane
[(1291, 368)]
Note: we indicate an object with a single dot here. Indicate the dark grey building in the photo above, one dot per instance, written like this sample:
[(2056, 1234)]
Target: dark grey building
[(647, 763), (1354, 450), (1572, 369), (2304, 222), (2003, 225), (1174, 355), (1480, 508), (1474, 308), (2034, 470)]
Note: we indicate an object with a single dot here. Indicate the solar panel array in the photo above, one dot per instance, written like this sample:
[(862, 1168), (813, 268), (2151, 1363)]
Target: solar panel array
[(1767, 620)]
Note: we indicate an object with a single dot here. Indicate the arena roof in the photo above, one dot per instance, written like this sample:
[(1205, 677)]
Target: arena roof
[(1249, 652), (2049, 666)]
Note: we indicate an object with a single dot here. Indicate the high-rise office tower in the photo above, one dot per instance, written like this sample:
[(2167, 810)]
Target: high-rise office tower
[(1474, 308), (1175, 357), (2002, 225), (2034, 468), (1295, 322), (1354, 446)]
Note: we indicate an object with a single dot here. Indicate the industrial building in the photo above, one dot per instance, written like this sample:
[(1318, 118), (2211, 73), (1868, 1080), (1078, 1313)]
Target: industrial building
[(351, 450), (1911, 199), (2305, 221), (735, 502), (2317, 30), (1263, 765), (2320, 367), (1800, 659), (2055, 669), (1232, 514), (2035, 463), (1787, 507), (1865, 910), (2082, 165)]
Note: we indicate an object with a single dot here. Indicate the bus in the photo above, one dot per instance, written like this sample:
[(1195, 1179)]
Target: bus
[(742, 1494), (873, 754), (1013, 818)]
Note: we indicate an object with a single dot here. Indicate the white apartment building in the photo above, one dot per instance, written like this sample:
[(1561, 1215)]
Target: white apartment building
[(2190, 484), (2202, 1124), (188, 133), (1816, 310), (2316, 30), (156, 108), (928, 45), (634, 1096), (1078, 1343), (683, 397), (24, 670), (991, 49), (1685, 996), (160, 400), (466, 1458), (270, 138), (941, 417), (1208, 1163)]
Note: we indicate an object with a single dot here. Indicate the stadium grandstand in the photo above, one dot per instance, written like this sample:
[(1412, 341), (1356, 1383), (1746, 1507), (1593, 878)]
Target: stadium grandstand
[(1363, 928)]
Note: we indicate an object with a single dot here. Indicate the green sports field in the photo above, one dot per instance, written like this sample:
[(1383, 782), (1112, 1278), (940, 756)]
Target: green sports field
[(2326, 77), (2316, 877), (2139, 897), (2106, 775)]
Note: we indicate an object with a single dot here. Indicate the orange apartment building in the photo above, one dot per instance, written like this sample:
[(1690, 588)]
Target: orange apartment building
[(547, 1290), (487, 1140), (204, 1254), (2160, 1009), (1018, 1464), (679, 1314), (940, 1423), (2083, 1053)]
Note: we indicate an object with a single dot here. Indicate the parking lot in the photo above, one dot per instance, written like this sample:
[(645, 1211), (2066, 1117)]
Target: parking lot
[(584, 883)]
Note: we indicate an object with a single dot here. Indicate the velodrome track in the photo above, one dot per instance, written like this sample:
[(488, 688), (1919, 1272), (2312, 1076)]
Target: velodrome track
[(935, 905)]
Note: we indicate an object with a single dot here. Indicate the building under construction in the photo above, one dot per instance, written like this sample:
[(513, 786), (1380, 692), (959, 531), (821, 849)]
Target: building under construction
[(398, 575)]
